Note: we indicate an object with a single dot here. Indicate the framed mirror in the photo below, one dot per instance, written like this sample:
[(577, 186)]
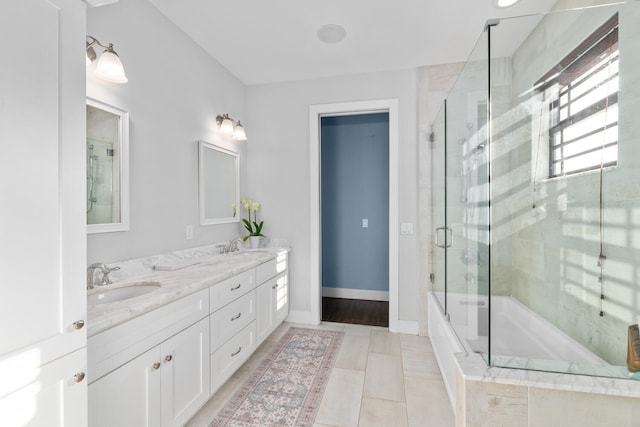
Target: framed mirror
[(107, 168), (218, 184)]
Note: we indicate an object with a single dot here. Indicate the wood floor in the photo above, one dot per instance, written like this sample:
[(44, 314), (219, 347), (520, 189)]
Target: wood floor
[(355, 311)]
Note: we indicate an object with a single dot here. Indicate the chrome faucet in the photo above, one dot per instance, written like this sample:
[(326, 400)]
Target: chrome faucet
[(230, 246), (234, 245), (105, 274)]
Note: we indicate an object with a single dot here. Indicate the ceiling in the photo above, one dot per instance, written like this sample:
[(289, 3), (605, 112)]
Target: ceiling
[(274, 41)]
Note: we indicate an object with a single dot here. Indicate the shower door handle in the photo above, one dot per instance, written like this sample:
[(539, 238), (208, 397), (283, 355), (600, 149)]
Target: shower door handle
[(447, 242), (435, 237)]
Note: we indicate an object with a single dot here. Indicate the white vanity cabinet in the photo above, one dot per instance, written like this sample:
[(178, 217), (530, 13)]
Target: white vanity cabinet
[(272, 295), (159, 368), (165, 384), (233, 326), (242, 316), (162, 387)]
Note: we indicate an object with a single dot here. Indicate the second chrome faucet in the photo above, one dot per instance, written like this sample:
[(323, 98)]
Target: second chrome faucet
[(104, 269)]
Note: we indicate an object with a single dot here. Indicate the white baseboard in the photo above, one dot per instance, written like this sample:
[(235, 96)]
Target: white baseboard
[(355, 294), (304, 317), (408, 327), (403, 326)]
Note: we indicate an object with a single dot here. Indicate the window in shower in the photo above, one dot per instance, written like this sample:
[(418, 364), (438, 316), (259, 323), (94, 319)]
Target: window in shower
[(583, 106)]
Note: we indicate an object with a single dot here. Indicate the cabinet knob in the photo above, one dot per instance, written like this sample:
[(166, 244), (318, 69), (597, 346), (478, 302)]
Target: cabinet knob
[(235, 353), (168, 358), (235, 288), (78, 324), (156, 366), (236, 317), (78, 377), (275, 286)]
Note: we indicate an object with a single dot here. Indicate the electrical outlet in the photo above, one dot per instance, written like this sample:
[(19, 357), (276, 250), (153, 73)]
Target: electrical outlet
[(365, 223), (189, 232)]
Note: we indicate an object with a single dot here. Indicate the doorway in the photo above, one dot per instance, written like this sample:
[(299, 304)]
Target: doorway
[(354, 200), (389, 106)]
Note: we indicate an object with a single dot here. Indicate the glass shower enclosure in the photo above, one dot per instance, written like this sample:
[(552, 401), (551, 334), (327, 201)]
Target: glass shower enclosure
[(536, 174)]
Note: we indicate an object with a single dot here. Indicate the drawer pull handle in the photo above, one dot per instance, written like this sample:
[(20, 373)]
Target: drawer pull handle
[(78, 324), (275, 286), (78, 377), (235, 288), (168, 358), (156, 366), (235, 353), (236, 317)]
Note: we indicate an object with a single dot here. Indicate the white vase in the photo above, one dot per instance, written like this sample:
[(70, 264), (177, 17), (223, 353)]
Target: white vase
[(254, 242)]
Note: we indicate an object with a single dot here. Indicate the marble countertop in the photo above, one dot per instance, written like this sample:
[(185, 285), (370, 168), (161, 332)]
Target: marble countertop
[(176, 284)]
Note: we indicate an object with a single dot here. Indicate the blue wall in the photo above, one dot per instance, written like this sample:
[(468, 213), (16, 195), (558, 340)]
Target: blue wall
[(355, 185)]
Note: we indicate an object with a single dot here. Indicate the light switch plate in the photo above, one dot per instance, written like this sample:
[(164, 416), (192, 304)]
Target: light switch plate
[(406, 228), (365, 223)]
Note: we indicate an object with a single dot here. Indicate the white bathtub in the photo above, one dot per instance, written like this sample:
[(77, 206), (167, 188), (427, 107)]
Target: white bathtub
[(520, 338)]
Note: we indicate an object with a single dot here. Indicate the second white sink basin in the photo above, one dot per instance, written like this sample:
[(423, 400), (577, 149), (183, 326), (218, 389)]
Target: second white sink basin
[(248, 252), (122, 293)]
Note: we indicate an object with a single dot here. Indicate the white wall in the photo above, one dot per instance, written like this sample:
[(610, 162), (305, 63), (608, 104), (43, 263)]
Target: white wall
[(278, 167), (174, 93)]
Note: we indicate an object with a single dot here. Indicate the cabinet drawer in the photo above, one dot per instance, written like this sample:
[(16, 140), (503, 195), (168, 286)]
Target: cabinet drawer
[(226, 291), (232, 355), (272, 267), (231, 318)]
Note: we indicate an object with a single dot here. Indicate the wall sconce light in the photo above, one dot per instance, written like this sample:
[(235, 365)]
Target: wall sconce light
[(504, 3), (109, 66), (231, 128)]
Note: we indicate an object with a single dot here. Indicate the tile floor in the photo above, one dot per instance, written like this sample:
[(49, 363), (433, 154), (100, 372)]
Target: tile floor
[(379, 379)]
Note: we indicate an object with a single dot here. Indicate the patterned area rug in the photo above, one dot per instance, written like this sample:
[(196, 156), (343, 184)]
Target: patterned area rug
[(287, 386)]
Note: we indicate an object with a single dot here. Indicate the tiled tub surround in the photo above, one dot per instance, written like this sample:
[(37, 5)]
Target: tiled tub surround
[(483, 395), (155, 359), (517, 397)]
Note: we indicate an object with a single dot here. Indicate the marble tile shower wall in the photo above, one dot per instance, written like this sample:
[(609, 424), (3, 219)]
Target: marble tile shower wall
[(545, 238)]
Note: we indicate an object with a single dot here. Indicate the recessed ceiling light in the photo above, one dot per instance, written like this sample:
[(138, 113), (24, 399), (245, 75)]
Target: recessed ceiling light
[(505, 3), (331, 33)]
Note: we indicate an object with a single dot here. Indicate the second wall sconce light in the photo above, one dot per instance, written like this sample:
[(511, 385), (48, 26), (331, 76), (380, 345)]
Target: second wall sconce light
[(231, 128), (109, 66)]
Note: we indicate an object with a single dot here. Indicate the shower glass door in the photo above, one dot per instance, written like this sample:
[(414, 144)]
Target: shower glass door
[(438, 144), (467, 203)]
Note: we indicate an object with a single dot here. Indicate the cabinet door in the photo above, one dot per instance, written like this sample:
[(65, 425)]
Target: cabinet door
[(281, 299), (264, 311), (51, 395), (128, 396), (185, 373), (42, 219), (272, 300), (42, 213)]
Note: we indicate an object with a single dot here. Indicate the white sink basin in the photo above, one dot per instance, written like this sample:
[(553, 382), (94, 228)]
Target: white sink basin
[(122, 293), (247, 252)]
